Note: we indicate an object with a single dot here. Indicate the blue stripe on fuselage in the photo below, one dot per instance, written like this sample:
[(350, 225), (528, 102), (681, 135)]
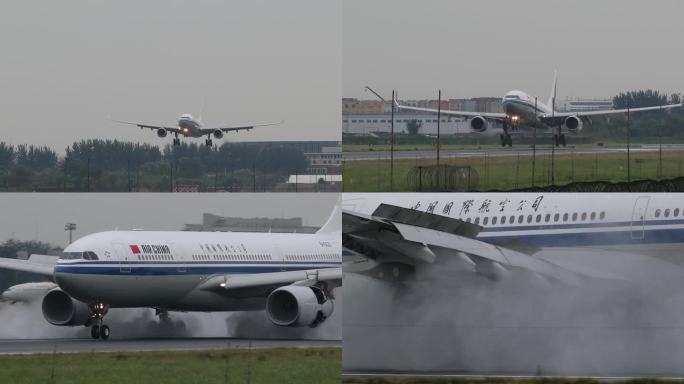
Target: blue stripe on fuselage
[(154, 269)]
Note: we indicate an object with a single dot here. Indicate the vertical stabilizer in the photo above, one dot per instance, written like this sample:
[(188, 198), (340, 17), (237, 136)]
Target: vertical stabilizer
[(552, 98), (334, 223)]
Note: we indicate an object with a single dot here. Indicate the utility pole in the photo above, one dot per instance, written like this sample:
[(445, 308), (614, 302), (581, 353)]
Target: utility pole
[(392, 144), (70, 227), (629, 173), (88, 174), (439, 121), (534, 144), (555, 140)]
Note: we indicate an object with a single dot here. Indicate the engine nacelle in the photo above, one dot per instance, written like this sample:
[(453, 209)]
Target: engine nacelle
[(479, 124), (61, 309), (573, 123), (218, 133), (298, 306), (161, 132)]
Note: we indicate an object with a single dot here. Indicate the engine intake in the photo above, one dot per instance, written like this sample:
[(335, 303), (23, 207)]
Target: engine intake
[(296, 306), (161, 132), (479, 124), (573, 123), (218, 133), (61, 309)]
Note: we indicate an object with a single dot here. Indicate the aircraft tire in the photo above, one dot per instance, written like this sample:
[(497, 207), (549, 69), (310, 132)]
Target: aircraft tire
[(503, 139), (562, 140), (510, 141), (95, 331), (104, 332)]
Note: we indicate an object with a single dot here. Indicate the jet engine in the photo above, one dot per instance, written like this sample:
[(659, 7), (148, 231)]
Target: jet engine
[(218, 133), (161, 132), (298, 306), (573, 123), (61, 309), (479, 124)]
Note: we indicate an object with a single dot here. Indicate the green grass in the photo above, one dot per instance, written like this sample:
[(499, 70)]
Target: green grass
[(315, 365), (464, 147), (513, 172), (540, 380)]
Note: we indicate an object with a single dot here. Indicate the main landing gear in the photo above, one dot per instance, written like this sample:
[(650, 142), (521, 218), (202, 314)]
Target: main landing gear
[(176, 140), (208, 141), (506, 136), (99, 330), (559, 138)]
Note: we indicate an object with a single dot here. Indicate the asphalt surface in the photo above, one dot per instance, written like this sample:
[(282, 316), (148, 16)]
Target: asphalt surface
[(522, 151), (16, 347), (440, 375)]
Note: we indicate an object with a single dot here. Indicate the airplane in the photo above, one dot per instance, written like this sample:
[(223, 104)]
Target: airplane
[(520, 107), (27, 292), (290, 276), (188, 126), (559, 236)]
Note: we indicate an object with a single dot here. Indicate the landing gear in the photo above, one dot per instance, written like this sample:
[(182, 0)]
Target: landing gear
[(176, 140), (506, 137), (559, 138), (208, 141), (99, 330)]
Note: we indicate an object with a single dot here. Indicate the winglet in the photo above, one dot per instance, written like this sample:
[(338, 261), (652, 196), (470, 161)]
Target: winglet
[(552, 98), (334, 222)]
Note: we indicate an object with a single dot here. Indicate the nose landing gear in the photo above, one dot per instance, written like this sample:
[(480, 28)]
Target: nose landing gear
[(176, 140), (99, 330), (208, 141)]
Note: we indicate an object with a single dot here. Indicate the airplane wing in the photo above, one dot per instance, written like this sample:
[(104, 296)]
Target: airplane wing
[(332, 276), (490, 115), (394, 234), (563, 115), (208, 130), (148, 126), (38, 264)]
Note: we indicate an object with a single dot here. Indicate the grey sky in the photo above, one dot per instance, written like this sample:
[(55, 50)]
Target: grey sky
[(31, 216), (68, 65), (472, 48)]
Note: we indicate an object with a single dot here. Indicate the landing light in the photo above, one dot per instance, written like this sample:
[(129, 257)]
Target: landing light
[(222, 285), (515, 118)]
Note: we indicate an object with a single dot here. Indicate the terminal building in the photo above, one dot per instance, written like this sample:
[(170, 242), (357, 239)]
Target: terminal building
[(584, 105), (215, 223)]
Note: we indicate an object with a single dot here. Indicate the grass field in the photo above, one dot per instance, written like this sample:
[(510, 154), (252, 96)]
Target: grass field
[(461, 147), (515, 172), (221, 366), (541, 380)]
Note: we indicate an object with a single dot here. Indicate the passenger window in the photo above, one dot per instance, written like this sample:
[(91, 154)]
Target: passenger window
[(494, 219), (565, 217), (603, 215), (556, 217), (485, 220), (538, 218), (503, 219), (667, 212), (676, 212), (574, 216), (477, 220), (529, 218), (584, 215), (657, 213), (547, 218), (520, 219), (593, 216)]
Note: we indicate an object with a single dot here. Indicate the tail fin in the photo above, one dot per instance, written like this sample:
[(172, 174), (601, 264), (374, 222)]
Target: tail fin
[(552, 99), (334, 223)]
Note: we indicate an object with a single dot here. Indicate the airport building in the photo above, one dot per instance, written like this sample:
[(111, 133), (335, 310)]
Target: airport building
[(215, 223), (380, 123), (584, 105), (326, 162)]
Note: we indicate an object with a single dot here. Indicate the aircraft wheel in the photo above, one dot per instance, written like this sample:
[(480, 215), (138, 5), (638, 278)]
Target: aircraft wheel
[(503, 139), (95, 331), (510, 141), (104, 332), (562, 139), (555, 140), (176, 141), (208, 143)]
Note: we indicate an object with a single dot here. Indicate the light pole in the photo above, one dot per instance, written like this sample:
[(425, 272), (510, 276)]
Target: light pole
[(70, 227)]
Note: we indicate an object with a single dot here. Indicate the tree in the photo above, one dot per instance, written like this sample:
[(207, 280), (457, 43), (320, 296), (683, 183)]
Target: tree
[(413, 126), (638, 99)]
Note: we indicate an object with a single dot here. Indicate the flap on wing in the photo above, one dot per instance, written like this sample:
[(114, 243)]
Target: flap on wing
[(251, 280), (426, 220), (39, 267)]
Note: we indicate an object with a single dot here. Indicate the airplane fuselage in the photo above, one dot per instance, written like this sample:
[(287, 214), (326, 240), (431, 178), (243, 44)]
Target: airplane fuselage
[(625, 220), (189, 127), (164, 269), (521, 107)]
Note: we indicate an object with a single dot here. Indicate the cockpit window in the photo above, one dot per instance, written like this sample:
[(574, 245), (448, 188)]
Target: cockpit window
[(512, 97), (87, 255)]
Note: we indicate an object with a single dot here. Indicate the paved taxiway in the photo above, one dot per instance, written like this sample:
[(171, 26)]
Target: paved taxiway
[(522, 151), (14, 347)]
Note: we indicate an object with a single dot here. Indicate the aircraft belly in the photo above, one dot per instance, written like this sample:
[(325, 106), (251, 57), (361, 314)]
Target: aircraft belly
[(128, 290)]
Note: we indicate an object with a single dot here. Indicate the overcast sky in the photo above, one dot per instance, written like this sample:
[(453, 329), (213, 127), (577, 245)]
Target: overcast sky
[(67, 65), (472, 48), (41, 216)]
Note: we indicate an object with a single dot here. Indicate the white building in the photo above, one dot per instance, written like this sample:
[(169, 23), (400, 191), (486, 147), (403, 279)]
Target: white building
[(380, 123)]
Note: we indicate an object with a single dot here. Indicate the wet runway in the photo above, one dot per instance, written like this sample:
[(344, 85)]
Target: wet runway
[(10, 347), (522, 151)]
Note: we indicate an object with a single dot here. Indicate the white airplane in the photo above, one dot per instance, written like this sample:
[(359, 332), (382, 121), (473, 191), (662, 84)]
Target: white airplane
[(519, 107), (563, 236), (188, 126), (291, 276)]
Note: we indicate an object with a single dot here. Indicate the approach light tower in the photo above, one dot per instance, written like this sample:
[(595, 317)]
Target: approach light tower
[(70, 227)]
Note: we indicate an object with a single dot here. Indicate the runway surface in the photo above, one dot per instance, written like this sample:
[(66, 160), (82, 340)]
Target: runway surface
[(15, 347), (522, 151), (446, 375)]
